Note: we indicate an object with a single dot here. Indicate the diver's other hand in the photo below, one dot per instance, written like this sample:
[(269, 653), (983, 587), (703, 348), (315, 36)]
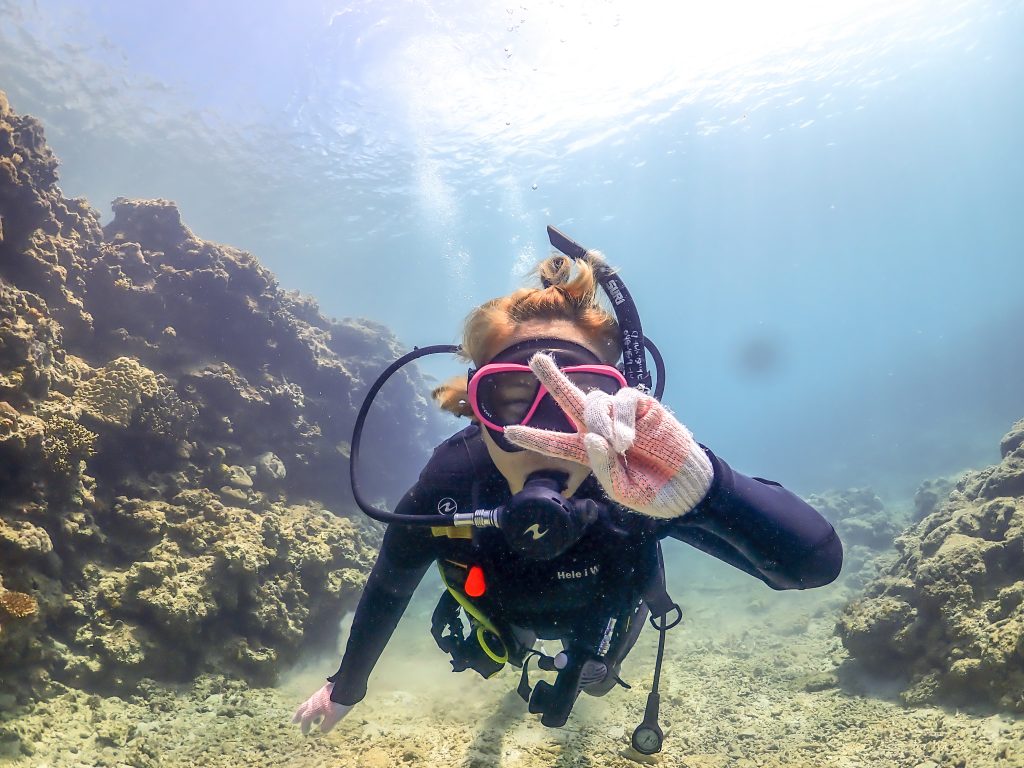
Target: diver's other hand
[(320, 707), (643, 457)]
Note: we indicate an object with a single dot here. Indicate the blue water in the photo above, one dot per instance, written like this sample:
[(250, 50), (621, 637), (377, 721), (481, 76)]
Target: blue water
[(819, 209)]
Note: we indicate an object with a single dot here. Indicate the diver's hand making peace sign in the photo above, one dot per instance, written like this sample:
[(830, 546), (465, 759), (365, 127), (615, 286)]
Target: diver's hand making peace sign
[(642, 456)]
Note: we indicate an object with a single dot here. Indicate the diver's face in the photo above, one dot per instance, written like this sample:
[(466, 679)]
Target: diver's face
[(518, 465)]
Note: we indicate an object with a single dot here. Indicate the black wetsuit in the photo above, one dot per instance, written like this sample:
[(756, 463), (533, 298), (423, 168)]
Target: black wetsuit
[(753, 524)]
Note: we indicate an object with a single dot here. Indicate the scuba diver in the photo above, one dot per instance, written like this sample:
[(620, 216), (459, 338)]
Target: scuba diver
[(545, 515)]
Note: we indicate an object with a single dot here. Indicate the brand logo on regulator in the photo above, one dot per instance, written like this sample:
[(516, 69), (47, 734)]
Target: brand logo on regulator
[(535, 531)]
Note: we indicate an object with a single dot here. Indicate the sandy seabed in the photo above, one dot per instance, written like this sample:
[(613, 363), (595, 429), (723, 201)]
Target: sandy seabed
[(752, 678)]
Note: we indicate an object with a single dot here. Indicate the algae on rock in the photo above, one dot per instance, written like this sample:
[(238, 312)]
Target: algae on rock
[(949, 612)]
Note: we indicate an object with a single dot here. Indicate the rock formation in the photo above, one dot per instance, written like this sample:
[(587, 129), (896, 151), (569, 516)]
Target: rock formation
[(174, 436), (865, 526), (948, 613)]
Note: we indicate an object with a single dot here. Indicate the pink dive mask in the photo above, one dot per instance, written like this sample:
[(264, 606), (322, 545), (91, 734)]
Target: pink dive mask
[(506, 392)]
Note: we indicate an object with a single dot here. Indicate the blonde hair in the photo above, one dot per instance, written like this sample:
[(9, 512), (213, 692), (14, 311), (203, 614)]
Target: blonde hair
[(572, 294)]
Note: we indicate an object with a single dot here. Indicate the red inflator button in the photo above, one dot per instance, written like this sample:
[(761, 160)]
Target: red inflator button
[(475, 586)]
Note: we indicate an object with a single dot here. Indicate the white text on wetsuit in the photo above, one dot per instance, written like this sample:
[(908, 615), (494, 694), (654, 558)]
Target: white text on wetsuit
[(591, 571)]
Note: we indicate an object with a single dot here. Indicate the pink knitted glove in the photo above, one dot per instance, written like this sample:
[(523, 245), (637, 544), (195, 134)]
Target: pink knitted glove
[(319, 705), (642, 456)]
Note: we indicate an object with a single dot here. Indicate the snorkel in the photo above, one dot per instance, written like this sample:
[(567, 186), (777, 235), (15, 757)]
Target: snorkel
[(631, 332), (635, 371)]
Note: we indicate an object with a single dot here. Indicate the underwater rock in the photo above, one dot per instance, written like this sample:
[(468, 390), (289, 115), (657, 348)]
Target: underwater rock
[(229, 495), (261, 366), (20, 435), (930, 494), (212, 587), (30, 347), (948, 613), (1012, 440), (238, 478), (859, 517), (270, 468), (867, 529), (153, 388), (22, 538)]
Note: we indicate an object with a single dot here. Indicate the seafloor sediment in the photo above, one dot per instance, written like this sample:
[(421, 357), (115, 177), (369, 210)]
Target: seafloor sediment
[(752, 679)]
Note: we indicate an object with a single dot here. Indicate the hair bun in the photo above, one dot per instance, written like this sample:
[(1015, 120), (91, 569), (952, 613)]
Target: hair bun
[(555, 270), (576, 279), (569, 293)]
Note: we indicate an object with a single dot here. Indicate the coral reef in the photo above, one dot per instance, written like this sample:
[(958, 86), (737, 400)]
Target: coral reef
[(30, 346), (236, 588), (173, 455), (48, 240), (114, 394), (949, 611), (18, 605), (66, 445)]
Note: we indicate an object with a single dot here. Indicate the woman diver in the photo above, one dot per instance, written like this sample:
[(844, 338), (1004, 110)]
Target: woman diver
[(545, 515)]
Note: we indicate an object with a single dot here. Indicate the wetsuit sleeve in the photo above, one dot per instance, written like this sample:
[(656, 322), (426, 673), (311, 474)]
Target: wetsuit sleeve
[(405, 555), (759, 527)]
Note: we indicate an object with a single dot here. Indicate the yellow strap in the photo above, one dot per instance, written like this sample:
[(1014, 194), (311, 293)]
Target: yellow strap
[(482, 621), (496, 656), (462, 532)]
